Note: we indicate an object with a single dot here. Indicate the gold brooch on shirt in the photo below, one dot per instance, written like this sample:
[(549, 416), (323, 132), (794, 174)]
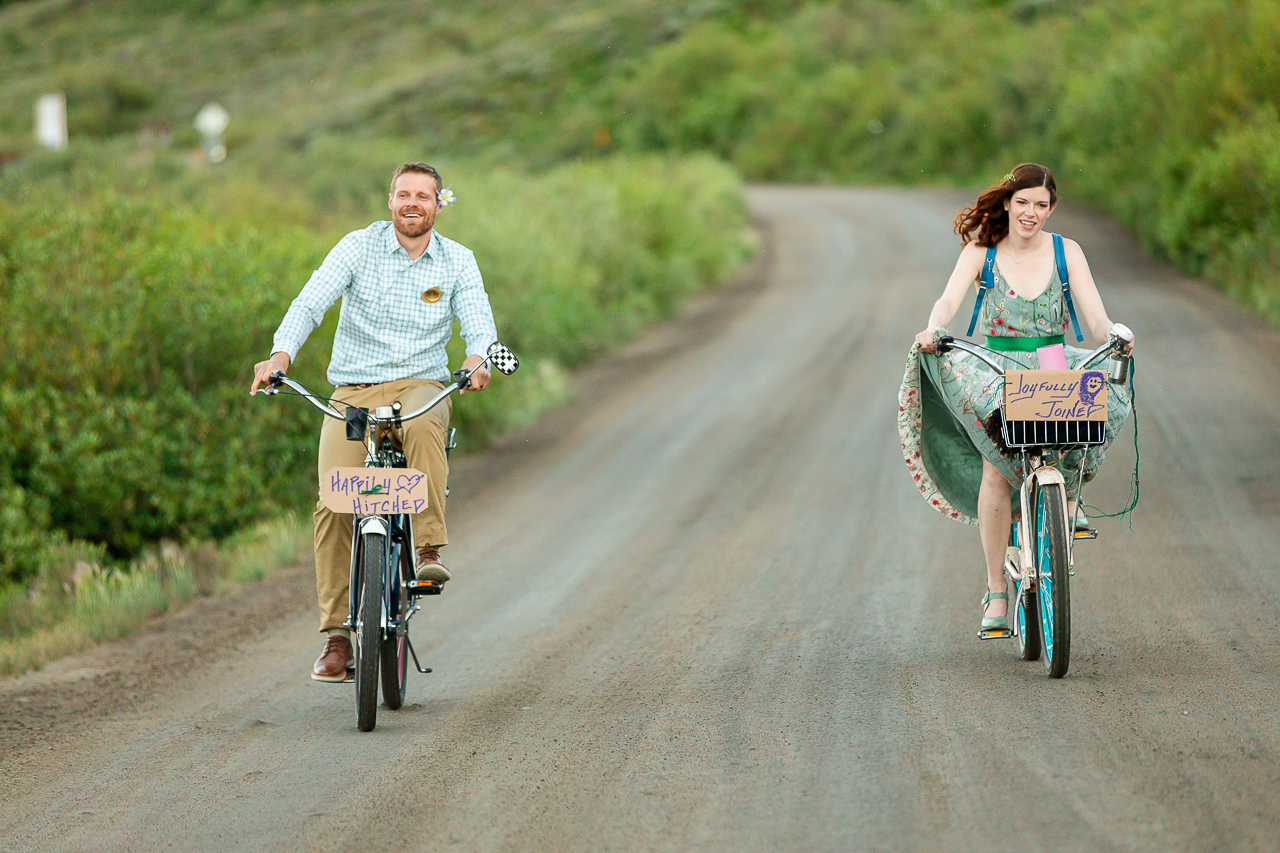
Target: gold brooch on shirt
[(431, 295)]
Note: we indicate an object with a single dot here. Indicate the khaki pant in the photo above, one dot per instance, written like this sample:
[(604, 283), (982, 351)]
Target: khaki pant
[(422, 440)]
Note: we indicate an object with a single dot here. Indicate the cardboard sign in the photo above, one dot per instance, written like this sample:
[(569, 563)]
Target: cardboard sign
[(1055, 395), (374, 491)]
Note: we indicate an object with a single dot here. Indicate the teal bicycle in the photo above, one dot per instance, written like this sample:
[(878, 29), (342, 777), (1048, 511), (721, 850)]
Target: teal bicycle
[(1039, 560)]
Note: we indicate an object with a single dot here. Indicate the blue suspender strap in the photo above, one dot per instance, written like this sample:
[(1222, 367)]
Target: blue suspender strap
[(988, 282), (1060, 258)]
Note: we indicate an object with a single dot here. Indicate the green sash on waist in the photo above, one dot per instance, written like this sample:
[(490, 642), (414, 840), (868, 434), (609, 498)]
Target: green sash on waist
[(1002, 344)]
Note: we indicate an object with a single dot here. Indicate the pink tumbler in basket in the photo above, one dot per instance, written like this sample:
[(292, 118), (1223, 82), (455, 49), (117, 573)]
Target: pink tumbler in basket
[(1052, 357)]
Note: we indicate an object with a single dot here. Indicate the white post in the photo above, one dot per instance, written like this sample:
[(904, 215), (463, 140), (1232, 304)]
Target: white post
[(211, 121), (51, 121)]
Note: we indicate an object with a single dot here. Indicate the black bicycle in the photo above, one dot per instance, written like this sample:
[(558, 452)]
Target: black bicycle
[(384, 589)]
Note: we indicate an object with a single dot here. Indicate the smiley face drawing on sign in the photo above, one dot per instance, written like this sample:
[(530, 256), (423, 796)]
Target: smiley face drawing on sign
[(1090, 384)]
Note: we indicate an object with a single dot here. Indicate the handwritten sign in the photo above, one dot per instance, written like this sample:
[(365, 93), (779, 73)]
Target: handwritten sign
[(1055, 395), (374, 491)]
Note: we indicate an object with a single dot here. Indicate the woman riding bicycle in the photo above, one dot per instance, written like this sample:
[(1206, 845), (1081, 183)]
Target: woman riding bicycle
[(946, 402)]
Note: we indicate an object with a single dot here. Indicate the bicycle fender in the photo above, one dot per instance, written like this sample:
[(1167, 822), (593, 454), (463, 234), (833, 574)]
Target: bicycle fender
[(374, 524), (1044, 476), (1049, 476)]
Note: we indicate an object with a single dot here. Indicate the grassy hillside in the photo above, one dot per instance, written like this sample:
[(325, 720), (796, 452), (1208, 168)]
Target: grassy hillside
[(141, 285), (1164, 114)]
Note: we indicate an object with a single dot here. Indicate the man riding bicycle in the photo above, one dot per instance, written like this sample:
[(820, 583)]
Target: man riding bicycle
[(402, 285)]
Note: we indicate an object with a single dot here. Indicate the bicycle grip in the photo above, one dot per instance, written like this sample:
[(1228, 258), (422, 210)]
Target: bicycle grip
[(943, 343), (462, 377)]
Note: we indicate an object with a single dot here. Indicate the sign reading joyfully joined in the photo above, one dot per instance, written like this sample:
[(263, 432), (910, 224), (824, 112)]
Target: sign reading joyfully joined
[(1055, 395)]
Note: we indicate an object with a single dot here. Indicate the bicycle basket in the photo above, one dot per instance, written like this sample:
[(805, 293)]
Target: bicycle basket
[(1052, 408)]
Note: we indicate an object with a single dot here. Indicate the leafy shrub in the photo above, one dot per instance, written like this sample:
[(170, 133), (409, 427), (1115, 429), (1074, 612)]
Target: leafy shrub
[(123, 377), (134, 323)]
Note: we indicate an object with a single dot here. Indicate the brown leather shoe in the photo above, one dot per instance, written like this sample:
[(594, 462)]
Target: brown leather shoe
[(334, 660), (429, 566)]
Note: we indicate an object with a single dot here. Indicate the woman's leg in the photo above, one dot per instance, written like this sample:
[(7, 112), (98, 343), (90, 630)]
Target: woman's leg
[(993, 525)]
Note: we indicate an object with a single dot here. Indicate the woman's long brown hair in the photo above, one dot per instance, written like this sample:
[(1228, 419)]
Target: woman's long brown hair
[(988, 217)]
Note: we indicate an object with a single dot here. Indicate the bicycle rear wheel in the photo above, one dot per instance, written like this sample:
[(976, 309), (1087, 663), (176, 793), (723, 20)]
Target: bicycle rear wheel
[(368, 632), (1028, 628), (395, 649), (1026, 620), (1053, 588)]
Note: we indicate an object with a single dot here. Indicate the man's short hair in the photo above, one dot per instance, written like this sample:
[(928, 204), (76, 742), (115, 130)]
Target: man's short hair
[(421, 169)]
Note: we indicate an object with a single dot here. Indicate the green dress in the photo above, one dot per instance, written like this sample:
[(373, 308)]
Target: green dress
[(946, 398)]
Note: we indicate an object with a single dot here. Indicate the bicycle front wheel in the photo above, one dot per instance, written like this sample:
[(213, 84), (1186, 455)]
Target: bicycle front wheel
[(368, 632), (1053, 588), (395, 648)]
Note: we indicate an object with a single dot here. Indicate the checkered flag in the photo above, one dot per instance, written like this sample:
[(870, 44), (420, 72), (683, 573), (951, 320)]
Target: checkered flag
[(503, 358)]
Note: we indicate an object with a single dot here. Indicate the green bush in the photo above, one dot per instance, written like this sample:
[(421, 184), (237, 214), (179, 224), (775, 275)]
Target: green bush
[(134, 323), (126, 296), (1176, 134), (123, 376), (1163, 114)]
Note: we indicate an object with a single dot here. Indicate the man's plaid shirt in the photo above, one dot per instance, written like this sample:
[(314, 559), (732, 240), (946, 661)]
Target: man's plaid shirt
[(397, 314)]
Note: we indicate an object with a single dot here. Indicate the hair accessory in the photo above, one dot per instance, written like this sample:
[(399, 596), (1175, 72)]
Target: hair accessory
[(1008, 179), (447, 198)]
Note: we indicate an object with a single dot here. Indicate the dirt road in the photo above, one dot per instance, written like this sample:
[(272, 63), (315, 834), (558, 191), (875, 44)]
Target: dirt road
[(705, 609)]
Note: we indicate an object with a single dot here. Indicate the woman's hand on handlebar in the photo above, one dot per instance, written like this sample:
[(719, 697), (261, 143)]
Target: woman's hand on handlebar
[(925, 339), (479, 374), (262, 370), (1122, 332)]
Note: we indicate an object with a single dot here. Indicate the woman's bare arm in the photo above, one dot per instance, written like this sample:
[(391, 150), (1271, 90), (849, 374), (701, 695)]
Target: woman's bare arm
[(968, 268)]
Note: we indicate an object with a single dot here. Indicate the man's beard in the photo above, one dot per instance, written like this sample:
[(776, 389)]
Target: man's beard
[(413, 227)]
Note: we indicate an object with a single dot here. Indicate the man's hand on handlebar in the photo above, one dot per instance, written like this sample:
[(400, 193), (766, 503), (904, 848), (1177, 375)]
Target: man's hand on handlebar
[(479, 374), (262, 370)]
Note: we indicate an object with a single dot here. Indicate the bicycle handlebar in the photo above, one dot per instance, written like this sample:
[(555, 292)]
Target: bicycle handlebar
[(499, 355), (945, 343)]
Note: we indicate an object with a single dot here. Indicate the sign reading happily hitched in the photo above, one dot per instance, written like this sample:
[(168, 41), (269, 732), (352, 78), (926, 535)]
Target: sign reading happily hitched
[(374, 491), (1055, 395)]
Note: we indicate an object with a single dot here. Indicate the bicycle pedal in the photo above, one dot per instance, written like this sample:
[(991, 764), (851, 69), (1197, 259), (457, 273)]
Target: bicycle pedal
[(1090, 533), (351, 676), (425, 588), (994, 634)]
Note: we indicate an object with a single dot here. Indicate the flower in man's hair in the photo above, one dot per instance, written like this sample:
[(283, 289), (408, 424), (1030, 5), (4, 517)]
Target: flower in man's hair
[(447, 198)]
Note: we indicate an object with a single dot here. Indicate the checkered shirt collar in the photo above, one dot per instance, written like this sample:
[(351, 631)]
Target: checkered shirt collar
[(391, 244)]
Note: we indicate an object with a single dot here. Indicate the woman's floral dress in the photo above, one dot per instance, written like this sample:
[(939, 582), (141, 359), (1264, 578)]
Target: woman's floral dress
[(946, 398)]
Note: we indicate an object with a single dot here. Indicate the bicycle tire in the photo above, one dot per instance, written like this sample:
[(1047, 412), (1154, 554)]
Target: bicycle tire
[(1053, 586), (369, 629), (395, 649)]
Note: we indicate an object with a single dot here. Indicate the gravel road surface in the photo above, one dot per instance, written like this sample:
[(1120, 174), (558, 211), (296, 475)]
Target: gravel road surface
[(704, 608)]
